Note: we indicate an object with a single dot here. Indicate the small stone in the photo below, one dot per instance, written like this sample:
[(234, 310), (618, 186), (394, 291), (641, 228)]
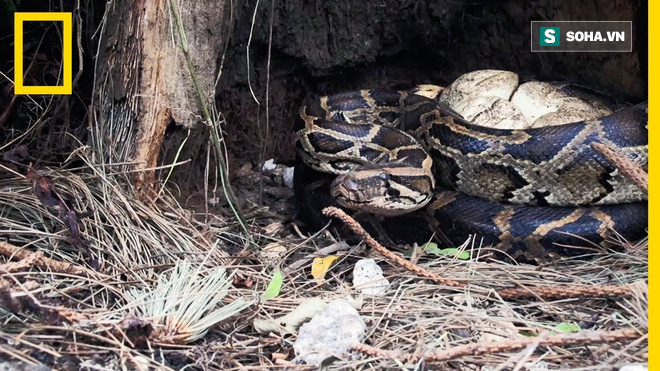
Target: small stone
[(368, 278), (268, 165), (540, 365), (635, 367), (288, 177), (330, 333)]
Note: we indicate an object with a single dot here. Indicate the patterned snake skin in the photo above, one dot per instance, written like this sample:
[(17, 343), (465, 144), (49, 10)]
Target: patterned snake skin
[(531, 194)]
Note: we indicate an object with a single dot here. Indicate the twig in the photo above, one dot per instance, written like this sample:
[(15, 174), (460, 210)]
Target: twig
[(628, 168), (581, 338), (567, 292), (547, 340), (29, 258), (544, 292), (357, 229)]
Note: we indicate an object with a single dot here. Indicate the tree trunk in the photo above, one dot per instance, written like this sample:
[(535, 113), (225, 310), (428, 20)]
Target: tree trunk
[(142, 80)]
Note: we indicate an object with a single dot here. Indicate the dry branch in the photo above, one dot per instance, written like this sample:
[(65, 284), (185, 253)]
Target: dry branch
[(357, 229), (568, 291), (545, 292), (581, 338), (27, 259)]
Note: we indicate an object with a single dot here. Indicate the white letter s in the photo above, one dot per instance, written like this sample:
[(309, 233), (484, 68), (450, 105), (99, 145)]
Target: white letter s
[(550, 36)]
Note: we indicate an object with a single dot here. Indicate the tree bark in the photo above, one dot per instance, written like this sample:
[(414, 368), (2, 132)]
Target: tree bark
[(142, 81)]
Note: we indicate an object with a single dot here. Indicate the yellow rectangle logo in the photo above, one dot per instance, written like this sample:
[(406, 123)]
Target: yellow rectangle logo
[(67, 68)]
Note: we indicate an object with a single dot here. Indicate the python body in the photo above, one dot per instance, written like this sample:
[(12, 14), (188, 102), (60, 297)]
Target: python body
[(530, 193)]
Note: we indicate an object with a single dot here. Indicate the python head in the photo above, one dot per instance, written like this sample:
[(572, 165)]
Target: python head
[(386, 190)]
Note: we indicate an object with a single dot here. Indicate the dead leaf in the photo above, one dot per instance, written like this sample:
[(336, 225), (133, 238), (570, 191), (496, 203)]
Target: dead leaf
[(70, 316), (8, 302), (135, 330), (282, 356), (273, 251), (43, 188), (17, 303), (243, 282), (272, 228), (70, 219), (291, 322), (320, 266)]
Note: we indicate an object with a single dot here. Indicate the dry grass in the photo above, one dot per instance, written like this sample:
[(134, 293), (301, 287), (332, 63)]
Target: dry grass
[(150, 260), (160, 282)]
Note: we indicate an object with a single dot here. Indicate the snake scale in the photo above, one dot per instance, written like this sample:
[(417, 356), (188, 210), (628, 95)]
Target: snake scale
[(532, 194)]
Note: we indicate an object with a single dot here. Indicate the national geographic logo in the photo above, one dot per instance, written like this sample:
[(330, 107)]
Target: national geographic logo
[(67, 41), (581, 36)]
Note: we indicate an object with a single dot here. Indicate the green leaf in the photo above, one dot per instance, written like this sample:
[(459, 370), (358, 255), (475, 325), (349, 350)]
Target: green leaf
[(528, 333), (274, 286), (463, 255), (432, 248), (568, 327)]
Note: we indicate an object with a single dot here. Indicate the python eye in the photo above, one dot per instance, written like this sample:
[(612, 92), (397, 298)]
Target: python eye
[(384, 176), (352, 185)]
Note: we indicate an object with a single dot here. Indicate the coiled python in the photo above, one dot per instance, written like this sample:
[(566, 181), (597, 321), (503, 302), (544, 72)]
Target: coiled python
[(532, 193)]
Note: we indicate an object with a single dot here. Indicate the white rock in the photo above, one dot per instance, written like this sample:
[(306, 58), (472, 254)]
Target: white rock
[(540, 365), (287, 176), (635, 367), (268, 165), (368, 278), (329, 334)]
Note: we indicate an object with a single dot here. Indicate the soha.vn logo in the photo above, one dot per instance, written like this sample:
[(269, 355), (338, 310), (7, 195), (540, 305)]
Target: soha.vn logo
[(549, 36)]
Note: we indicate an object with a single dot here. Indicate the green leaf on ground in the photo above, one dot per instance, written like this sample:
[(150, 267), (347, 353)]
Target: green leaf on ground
[(568, 327), (432, 248), (274, 286)]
